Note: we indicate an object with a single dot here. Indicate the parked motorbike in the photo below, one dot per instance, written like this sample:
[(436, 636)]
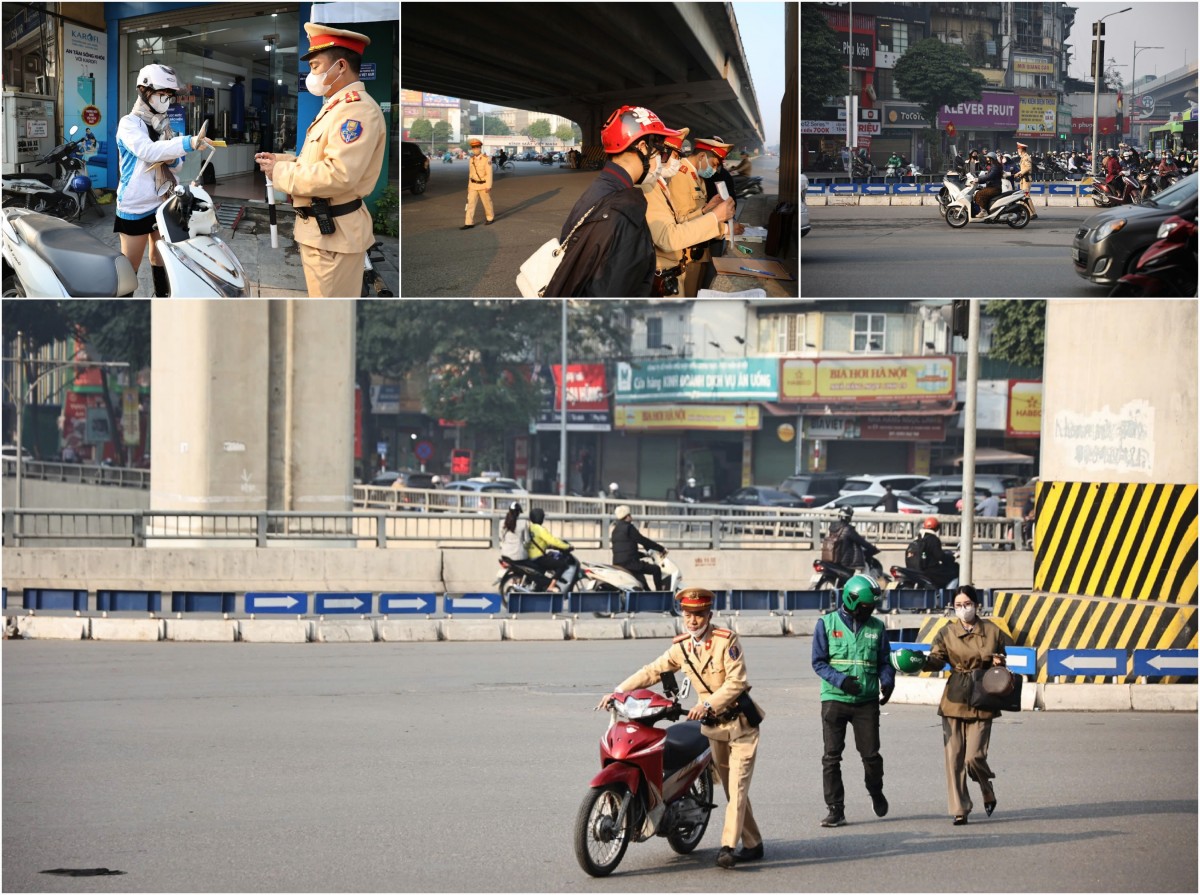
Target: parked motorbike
[(64, 198), (833, 575), (1109, 195), (1012, 208), (652, 782), (47, 257), (1168, 267), (198, 263), (746, 186)]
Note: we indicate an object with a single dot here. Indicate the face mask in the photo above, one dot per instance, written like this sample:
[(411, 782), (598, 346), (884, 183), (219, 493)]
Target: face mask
[(316, 84), (862, 613), (671, 169), (703, 168), (474, 152), (965, 613), (160, 104)]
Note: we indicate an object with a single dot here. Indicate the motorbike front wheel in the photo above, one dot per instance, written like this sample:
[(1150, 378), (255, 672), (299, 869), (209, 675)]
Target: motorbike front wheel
[(684, 841), (957, 217), (1100, 198), (599, 845)]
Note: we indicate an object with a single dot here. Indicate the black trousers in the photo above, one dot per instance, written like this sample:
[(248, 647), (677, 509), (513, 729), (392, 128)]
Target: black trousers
[(864, 719), (638, 570)]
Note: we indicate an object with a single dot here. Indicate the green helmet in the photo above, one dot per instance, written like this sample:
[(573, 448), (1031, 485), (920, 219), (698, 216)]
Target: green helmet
[(907, 660), (859, 591)]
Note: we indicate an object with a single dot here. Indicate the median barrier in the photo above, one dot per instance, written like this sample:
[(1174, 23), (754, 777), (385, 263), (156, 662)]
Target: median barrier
[(202, 601), (472, 629), (128, 601), (651, 628), (1160, 698), (536, 629), (801, 625), (138, 629), (52, 627), (1086, 697), (758, 626), (598, 629), (874, 200), (270, 630), (908, 200), (42, 598), (200, 630), (394, 630), (360, 631)]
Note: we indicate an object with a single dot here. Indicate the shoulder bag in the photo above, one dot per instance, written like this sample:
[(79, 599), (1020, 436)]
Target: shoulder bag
[(995, 689), (539, 268)]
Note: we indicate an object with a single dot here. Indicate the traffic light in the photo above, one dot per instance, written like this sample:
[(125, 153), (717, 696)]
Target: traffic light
[(960, 315)]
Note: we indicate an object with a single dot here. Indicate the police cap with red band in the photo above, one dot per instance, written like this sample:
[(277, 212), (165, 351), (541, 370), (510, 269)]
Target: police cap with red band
[(322, 37), (696, 599)]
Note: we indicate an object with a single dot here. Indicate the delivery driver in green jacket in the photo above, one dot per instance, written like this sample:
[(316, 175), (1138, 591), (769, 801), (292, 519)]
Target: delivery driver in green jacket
[(851, 655)]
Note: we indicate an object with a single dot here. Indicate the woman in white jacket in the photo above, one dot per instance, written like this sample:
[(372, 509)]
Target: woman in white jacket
[(144, 137)]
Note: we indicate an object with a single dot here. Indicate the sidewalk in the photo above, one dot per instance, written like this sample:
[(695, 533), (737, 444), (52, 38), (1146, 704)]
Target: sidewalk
[(271, 273)]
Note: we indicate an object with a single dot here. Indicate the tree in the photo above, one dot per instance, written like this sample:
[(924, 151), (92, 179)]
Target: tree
[(1019, 333), (565, 133), (933, 74), (441, 135), (539, 129), (476, 353), (822, 63), (421, 130)]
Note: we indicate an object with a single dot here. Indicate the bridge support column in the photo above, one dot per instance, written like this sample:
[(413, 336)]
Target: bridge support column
[(252, 405), (591, 123)]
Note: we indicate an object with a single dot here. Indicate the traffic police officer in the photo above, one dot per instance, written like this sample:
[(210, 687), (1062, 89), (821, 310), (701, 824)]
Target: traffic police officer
[(479, 185), (714, 662), (338, 165)]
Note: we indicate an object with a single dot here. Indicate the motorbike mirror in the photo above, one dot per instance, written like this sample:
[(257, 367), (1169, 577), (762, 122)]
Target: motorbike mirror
[(669, 684)]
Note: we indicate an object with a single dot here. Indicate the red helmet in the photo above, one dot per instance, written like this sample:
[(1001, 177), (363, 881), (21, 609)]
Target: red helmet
[(629, 124), (931, 523)]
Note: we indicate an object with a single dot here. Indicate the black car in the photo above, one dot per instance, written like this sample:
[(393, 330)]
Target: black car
[(756, 496), (414, 168), (945, 491), (1109, 244), (814, 488)]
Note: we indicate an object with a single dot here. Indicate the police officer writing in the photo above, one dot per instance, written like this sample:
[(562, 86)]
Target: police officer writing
[(479, 185), (338, 165), (713, 659)]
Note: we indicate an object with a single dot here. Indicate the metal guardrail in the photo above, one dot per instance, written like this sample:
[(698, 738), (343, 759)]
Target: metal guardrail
[(696, 527), (79, 473)]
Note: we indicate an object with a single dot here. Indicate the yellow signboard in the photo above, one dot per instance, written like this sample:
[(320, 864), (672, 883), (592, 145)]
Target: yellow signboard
[(724, 417), (1024, 409), (1032, 65), (1037, 115), (866, 379)]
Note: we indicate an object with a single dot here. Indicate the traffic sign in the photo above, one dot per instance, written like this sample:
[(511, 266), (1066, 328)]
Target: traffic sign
[(1091, 662), (283, 602), (1021, 659), (1159, 662), (335, 604), (480, 604), (401, 602), (424, 450)]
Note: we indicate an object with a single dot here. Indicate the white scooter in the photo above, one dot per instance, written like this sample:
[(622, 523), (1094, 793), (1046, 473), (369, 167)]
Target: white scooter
[(954, 184), (602, 576), (198, 263), (1012, 207), (47, 257)]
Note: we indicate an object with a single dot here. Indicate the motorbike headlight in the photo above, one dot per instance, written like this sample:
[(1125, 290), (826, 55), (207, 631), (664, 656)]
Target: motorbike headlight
[(1165, 228), (1108, 229), (634, 708)]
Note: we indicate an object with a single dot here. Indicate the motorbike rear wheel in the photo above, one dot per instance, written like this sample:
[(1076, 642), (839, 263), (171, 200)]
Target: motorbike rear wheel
[(1019, 218), (957, 217), (684, 842), (599, 845)]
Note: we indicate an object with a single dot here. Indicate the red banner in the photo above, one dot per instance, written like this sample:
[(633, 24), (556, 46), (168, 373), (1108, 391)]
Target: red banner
[(586, 387)]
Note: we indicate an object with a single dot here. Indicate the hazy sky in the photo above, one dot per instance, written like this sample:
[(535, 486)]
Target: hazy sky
[(761, 26), (1169, 25)]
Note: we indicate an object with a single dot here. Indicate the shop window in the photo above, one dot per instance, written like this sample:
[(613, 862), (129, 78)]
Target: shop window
[(869, 332), (654, 332)]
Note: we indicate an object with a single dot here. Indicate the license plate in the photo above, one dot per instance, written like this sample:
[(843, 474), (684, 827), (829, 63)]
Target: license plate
[(1075, 254)]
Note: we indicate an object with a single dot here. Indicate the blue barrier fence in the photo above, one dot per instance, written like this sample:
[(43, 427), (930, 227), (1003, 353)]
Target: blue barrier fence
[(914, 189)]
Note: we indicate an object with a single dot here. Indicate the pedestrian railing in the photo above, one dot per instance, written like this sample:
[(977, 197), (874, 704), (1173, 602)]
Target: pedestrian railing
[(78, 473)]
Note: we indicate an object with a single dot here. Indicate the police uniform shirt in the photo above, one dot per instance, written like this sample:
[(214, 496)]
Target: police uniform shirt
[(479, 168), (687, 192), (340, 161), (671, 236)]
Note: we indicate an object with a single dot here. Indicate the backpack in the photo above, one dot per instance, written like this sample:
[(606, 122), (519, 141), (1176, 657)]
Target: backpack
[(914, 554), (831, 544)]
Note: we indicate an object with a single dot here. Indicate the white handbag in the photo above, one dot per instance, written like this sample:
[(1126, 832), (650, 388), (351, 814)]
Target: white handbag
[(541, 265)]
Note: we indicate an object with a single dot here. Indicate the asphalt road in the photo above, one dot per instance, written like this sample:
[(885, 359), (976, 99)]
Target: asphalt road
[(438, 260), (460, 767), (910, 252)]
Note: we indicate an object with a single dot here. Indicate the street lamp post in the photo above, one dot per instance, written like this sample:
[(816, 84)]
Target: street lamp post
[(1099, 62), (1133, 85), (562, 409)]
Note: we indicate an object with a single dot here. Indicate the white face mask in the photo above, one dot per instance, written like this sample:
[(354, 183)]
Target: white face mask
[(965, 613), (317, 84), (671, 169), (159, 104)]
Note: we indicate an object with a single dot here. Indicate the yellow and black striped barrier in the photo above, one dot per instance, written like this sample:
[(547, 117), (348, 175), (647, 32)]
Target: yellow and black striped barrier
[(1137, 541)]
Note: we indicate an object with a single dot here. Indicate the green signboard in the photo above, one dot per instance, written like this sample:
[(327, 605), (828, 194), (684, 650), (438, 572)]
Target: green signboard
[(733, 380)]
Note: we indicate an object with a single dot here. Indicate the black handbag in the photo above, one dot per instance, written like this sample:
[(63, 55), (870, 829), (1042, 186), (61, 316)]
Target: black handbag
[(995, 689)]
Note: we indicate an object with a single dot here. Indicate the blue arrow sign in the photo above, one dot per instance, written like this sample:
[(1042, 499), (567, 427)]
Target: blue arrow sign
[(344, 603), (1021, 659), (400, 602), (1095, 662), (283, 602), (1159, 662), (481, 604)]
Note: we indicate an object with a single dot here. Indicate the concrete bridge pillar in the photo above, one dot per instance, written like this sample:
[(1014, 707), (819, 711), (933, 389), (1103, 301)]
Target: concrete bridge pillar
[(252, 405)]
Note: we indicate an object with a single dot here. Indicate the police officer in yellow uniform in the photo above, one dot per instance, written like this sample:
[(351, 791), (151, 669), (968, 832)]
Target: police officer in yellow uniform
[(671, 233), (690, 201), (338, 164), (479, 185), (714, 663)]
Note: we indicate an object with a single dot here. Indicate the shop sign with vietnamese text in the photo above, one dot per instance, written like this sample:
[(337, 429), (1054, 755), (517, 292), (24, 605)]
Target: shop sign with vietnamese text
[(740, 379), (709, 417), (1024, 409), (866, 379)]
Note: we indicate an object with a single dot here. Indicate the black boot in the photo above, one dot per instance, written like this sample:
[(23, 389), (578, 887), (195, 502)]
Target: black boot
[(162, 288)]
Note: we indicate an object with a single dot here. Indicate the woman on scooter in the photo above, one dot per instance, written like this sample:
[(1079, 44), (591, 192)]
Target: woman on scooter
[(989, 182), (145, 137)]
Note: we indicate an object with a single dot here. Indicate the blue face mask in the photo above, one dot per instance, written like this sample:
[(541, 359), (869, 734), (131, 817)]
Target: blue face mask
[(704, 170)]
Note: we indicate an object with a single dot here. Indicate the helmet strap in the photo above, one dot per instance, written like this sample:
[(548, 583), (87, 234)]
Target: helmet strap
[(645, 159)]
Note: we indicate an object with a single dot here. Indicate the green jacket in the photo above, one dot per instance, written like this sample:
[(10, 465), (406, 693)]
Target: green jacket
[(854, 654)]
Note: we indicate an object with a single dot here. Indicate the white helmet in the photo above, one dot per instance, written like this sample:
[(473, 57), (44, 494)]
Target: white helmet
[(158, 77)]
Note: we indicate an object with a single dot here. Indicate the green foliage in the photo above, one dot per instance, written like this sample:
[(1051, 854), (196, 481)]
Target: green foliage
[(421, 130), (387, 212), (441, 136), (539, 129), (565, 132), (933, 74), (822, 63), (1019, 335)]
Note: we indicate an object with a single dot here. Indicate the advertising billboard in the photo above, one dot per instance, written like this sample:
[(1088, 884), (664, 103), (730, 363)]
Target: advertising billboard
[(904, 379), (742, 379), (992, 110)]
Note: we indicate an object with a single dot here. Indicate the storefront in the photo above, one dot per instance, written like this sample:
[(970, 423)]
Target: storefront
[(986, 123), (588, 417)]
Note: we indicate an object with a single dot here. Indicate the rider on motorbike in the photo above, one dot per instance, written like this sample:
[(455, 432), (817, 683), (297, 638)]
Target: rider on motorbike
[(514, 534), (562, 566), (934, 562), (989, 183), (625, 542), (853, 548)]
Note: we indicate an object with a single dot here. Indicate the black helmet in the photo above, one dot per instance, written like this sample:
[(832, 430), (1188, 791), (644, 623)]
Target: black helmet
[(846, 513), (537, 515)]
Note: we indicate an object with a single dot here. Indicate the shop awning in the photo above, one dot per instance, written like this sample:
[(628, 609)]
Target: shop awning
[(996, 456)]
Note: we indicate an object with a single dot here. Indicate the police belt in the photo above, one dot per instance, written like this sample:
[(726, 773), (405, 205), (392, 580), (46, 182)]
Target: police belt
[(473, 180), (673, 272), (335, 211)]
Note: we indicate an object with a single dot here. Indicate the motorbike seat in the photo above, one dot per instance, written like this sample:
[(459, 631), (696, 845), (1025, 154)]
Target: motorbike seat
[(685, 741), (83, 264)]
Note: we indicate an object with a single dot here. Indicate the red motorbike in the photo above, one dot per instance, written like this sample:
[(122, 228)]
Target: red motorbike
[(1167, 267), (652, 782)]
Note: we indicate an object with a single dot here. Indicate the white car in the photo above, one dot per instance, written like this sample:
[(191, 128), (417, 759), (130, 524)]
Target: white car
[(486, 493), (873, 484), (805, 226), (905, 503)]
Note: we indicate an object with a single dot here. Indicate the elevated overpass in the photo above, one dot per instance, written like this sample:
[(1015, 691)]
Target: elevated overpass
[(685, 61)]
